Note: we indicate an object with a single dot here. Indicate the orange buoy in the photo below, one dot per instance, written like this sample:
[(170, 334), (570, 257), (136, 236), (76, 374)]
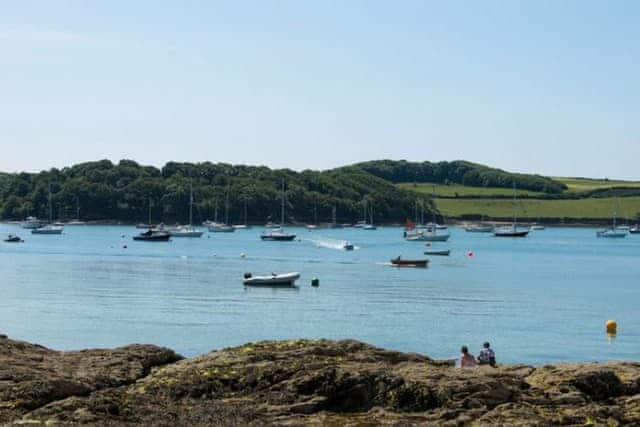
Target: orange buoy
[(612, 327)]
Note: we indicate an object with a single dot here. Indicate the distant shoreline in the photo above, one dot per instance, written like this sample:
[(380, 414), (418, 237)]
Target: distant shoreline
[(453, 223)]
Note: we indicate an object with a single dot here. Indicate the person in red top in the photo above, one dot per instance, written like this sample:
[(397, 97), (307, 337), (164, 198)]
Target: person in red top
[(466, 359)]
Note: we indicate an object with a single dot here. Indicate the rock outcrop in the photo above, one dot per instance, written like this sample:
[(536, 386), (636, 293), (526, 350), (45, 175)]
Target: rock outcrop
[(310, 382)]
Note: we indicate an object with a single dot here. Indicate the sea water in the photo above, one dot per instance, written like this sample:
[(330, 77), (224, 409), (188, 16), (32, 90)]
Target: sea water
[(540, 299)]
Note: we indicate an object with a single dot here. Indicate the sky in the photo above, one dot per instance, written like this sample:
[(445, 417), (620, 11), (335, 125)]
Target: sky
[(549, 87)]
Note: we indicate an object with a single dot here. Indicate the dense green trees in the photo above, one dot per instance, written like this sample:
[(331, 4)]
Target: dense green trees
[(106, 191), (458, 172)]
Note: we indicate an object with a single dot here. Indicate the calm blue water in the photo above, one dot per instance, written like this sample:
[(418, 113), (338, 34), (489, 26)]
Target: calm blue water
[(540, 299)]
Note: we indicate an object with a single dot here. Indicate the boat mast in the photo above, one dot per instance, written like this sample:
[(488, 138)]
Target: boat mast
[(226, 208), (50, 206), (514, 205), (333, 215), (282, 207), (245, 210), (77, 207), (190, 203), (364, 210)]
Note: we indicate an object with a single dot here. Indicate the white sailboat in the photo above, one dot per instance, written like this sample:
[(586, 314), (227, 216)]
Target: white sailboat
[(513, 230), (612, 232), (49, 228), (217, 227), (279, 234), (187, 230)]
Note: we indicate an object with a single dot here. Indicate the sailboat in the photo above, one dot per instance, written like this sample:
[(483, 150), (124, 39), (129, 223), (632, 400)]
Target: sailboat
[(512, 231), (426, 233), (370, 225), (77, 220), (187, 230), (245, 225), (148, 224), (217, 227), (279, 234), (613, 231), (49, 228)]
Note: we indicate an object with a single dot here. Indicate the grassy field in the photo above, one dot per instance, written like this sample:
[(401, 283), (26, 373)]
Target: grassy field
[(454, 190), (584, 184), (628, 207)]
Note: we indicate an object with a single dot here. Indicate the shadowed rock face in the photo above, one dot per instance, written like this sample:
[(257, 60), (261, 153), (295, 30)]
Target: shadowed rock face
[(304, 382)]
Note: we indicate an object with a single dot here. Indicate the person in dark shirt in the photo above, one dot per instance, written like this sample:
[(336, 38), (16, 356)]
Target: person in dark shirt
[(487, 356)]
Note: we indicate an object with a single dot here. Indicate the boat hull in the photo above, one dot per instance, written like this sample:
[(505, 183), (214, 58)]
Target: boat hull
[(46, 230), (278, 238), (418, 263), (194, 234), (275, 280), (427, 238), (611, 234), (511, 233), (445, 252)]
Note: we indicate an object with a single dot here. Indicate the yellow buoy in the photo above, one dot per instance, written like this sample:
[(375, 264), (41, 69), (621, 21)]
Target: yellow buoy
[(612, 326)]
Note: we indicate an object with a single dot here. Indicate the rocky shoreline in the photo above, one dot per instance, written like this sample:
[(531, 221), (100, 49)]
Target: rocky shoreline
[(303, 382)]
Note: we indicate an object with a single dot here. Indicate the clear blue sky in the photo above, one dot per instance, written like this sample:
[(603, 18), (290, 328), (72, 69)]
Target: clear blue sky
[(539, 86)]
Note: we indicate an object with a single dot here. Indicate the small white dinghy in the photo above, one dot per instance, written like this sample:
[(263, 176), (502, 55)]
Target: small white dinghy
[(274, 279)]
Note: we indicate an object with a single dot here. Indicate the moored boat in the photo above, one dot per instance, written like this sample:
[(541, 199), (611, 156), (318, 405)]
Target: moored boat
[(12, 238), (185, 231), (613, 232), (512, 231), (399, 262), (426, 236), (48, 229), (32, 223), (274, 279), (277, 235), (438, 252), (635, 229), (153, 236), (479, 228)]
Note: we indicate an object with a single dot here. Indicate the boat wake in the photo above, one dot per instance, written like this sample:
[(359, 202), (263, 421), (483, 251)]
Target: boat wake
[(324, 242)]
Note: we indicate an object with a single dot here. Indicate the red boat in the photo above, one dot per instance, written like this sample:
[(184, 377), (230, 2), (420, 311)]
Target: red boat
[(399, 262)]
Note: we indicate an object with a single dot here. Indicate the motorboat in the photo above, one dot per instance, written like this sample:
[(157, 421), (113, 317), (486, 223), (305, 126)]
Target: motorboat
[(278, 235), (479, 228), (274, 279), (347, 246), (399, 262), (241, 227), (153, 236), (635, 229), (368, 227), (511, 231), (48, 229), (32, 223), (537, 227), (426, 236), (185, 231), (437, 252), (12, 238)]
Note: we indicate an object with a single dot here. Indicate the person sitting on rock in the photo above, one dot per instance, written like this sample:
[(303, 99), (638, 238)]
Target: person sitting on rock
[(466, 359), (487, 356)]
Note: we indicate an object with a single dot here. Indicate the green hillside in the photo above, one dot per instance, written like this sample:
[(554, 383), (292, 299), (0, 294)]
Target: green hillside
[(583, 199)]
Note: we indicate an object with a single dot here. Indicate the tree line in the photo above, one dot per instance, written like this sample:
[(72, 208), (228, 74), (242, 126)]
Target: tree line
[(125, 191), (458, 172)]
